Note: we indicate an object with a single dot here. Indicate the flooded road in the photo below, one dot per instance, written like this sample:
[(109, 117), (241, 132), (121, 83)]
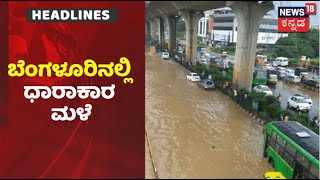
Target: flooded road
[(286, 90), (196, 133)]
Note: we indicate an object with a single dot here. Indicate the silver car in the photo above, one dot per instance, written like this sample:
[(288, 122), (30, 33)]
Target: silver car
[(206, 84)]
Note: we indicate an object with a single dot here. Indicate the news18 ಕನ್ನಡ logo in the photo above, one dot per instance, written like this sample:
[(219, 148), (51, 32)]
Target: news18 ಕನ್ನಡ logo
[(295, 19)]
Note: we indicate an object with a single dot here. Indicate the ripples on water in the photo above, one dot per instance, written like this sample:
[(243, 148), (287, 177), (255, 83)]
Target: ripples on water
[(196, 133)]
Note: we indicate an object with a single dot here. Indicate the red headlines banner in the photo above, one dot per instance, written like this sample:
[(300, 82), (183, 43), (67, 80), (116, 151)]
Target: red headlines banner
[(51, 126)]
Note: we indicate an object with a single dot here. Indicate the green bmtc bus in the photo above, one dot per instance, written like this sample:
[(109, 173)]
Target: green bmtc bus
[(292, 149), (259, 76)]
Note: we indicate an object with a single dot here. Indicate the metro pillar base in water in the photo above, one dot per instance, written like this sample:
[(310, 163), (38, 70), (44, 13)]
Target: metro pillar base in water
[(249, 15), (191, 20)]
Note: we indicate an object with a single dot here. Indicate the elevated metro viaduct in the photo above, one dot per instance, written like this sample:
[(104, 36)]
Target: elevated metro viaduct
[(248, 14)]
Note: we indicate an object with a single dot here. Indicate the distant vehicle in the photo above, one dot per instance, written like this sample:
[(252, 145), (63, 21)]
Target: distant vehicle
[(281, 61), (280, 68), (178, 58), (299, 103), (315, 78), (290, 72), (181, 51), (165, 55), (264, 57), (224, 54), (312, 83), (213, 57), (293, 79), (282, 74), (270, 67), (203, 61), (193, 77), (263, 89), (206, 84), (260, 77), (292, 149), (299, 70), (204, 50), (304, 74), (218, 63), (272, 79), (272, 76), (306, 97)]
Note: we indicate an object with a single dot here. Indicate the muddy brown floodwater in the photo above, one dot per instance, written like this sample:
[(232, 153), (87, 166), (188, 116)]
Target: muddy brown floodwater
[(196, 133)]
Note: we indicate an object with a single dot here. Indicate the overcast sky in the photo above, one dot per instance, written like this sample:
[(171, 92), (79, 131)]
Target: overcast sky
[(314, 19)]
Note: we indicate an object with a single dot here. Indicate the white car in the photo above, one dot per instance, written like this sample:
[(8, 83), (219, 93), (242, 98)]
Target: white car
[(293, 79), (270, 67), (299, 103), (263, 89), (306, 97), (290, 72), (193, 77), (165, 55)]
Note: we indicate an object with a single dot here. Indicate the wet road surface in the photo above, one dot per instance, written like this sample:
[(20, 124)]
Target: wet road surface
[(286, 90), (196, 133)]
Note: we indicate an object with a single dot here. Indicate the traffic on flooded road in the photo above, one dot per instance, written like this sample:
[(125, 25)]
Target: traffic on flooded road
[(196, 133)]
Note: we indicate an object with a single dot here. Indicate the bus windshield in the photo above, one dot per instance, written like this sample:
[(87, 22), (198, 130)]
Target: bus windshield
[(261, 74)]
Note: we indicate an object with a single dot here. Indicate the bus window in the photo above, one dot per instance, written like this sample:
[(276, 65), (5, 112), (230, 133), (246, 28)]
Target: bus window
[(314, 171), (272, 139), (274, 135), (291, 150), (288, 158), (302, 160), (281, 142), (279, 145), (277, 148)]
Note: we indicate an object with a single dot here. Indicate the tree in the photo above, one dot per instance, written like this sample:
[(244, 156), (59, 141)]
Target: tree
[(181, 29), (298, 44)]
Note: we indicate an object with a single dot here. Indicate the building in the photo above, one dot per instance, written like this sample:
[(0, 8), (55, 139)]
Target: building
[(315, 26), (224, 27)]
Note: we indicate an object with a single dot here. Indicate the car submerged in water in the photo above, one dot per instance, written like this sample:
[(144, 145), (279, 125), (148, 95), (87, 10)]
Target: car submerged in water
[(206, 84)]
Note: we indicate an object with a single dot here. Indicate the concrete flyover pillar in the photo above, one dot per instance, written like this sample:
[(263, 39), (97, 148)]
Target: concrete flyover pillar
[(249, 15), (153, 28), (160, 22), (148, 31), (191, 20), (171, 21)]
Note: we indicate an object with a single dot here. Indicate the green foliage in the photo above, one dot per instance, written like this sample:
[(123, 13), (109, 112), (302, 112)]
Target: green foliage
[(213, 71), (297, 45), (256, 96), (315, 62), (230, 50), (263, 115), (178, 54), (273, 110), (290, 113), (216, 50), (163, 47), (302, 118), (200, 68), (181, 29)]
